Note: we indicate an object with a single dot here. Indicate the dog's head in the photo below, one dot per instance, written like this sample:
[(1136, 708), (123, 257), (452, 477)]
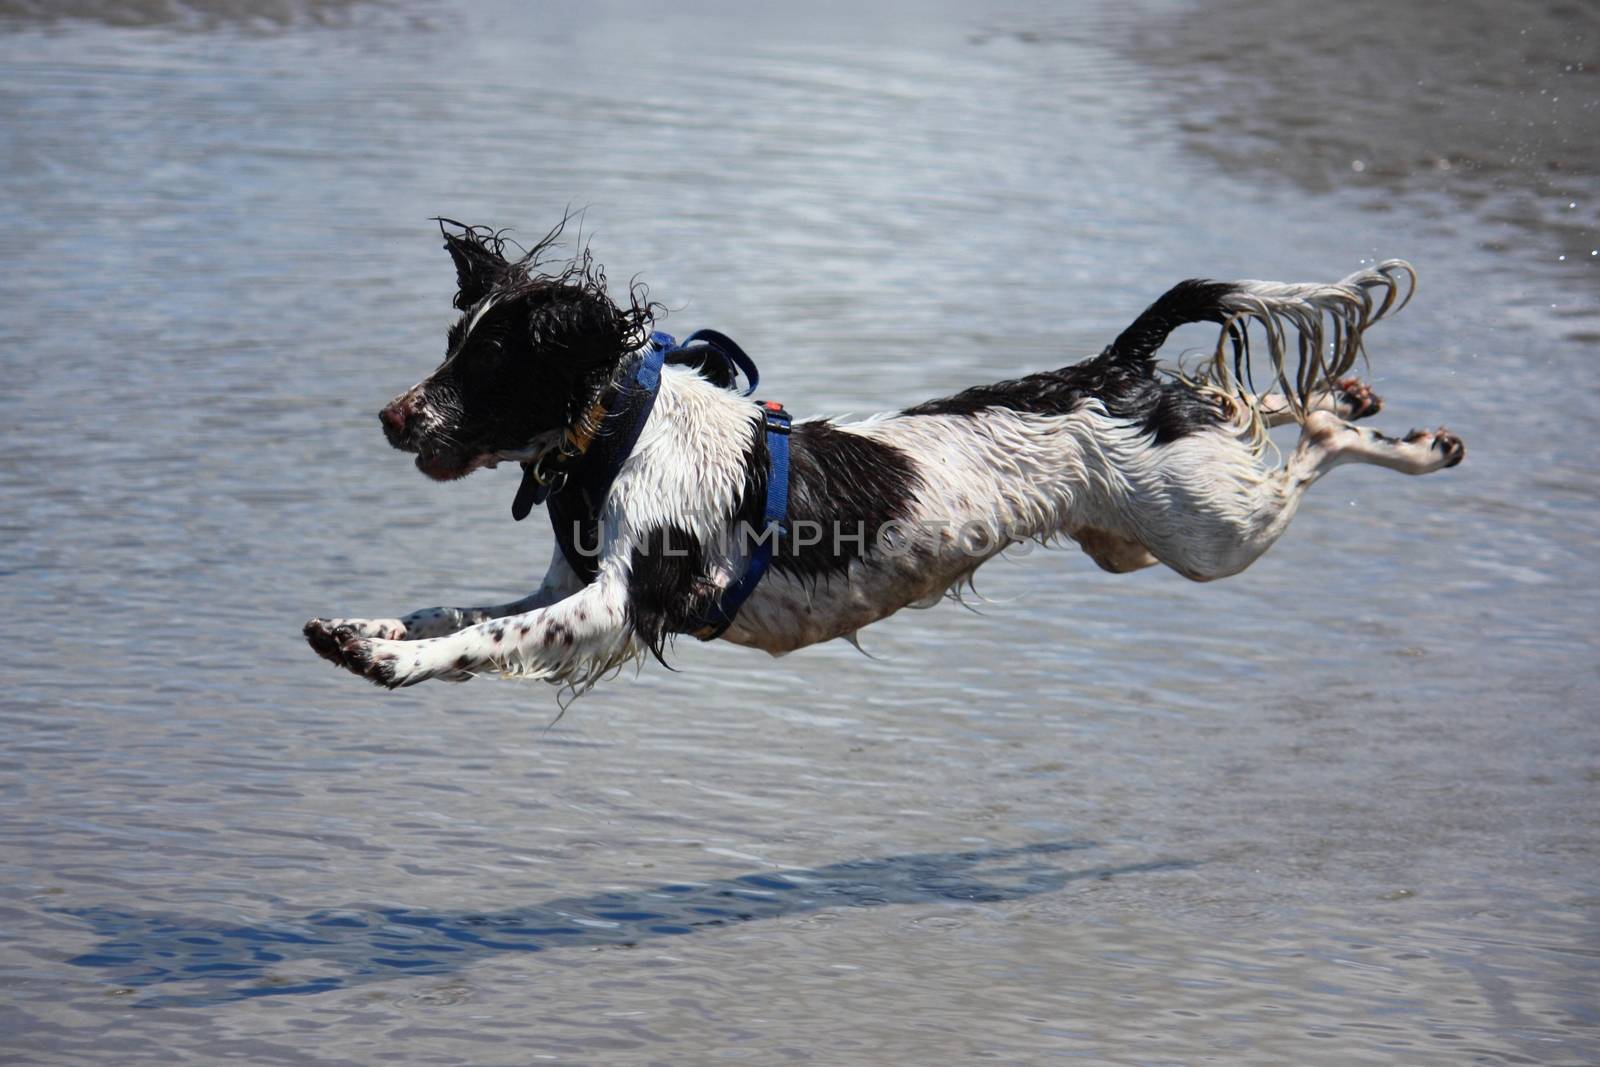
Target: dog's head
[(531, 353)]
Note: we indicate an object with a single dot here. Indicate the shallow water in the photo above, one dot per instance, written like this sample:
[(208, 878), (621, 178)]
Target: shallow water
[(1339, 809)]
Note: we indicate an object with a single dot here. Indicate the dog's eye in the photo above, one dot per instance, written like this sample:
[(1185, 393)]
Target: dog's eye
[(486, 347), (492, 334)]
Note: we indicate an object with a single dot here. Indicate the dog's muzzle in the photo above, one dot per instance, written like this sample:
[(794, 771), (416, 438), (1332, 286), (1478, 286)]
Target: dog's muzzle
[(401, 418)]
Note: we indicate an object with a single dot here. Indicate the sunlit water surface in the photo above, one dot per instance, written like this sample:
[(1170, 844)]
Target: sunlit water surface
[(1339, 809)]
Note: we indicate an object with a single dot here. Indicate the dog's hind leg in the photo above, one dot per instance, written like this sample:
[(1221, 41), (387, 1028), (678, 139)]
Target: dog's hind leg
[(1213, 517), (1326, 442), (1120, 554), (1348, 398)]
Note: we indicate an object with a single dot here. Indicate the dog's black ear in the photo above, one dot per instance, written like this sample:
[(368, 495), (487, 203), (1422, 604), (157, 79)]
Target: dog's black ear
[(577, 323), (478, 253)]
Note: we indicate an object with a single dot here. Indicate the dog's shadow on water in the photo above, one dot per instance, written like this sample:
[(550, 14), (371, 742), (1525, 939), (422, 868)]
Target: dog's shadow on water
[(338, 949)]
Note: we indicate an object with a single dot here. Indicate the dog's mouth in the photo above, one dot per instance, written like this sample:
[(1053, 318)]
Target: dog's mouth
[(447, 460), (449, 466)]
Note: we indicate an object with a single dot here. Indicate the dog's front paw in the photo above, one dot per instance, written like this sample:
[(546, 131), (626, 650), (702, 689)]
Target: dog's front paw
[(327, 637), (319, 635), (395, 664)]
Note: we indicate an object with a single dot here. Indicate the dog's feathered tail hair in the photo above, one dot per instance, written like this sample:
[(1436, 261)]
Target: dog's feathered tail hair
[(1327, 321)]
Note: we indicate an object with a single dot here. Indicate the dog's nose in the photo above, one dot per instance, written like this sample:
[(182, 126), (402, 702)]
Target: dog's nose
[(394, 417), (397, 418)]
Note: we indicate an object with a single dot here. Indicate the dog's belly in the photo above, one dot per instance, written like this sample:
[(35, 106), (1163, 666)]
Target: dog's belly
[(788, 613), (1113, 552)]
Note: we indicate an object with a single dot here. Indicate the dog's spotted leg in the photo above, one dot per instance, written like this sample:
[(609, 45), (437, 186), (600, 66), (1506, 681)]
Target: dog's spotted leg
[(328, 637), (574, 641), (560, 582), (440, 622)]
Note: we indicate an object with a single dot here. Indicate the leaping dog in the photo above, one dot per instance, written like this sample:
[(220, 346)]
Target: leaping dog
[(681, 507)]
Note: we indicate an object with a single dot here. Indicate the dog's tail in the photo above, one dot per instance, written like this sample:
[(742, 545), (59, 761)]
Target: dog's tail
[(1188, 301), (1326, 320)]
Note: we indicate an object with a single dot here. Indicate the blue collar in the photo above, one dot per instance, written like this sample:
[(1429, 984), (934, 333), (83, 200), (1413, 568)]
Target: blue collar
[(576, 478)]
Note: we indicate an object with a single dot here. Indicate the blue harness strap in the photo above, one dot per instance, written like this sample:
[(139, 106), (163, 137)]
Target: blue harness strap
[(720, 615), (577, 490)]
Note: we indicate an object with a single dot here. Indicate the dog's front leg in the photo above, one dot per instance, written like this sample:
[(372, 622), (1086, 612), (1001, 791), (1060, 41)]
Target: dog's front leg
[(328, 637), (560, 582), (574, 641)]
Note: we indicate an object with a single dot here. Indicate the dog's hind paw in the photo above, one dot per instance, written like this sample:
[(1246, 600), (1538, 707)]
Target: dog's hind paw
[(1356, 399), (1450, 448)]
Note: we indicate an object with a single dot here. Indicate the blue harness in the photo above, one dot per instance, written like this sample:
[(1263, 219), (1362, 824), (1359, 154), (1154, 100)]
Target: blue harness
[(576, 490)]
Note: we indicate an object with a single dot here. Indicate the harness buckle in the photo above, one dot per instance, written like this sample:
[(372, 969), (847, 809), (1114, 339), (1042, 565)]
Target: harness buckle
[(777, 419)]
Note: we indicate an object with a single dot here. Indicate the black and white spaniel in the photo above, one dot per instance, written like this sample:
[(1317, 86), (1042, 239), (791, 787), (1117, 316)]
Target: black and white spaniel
[(1138, 467)]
